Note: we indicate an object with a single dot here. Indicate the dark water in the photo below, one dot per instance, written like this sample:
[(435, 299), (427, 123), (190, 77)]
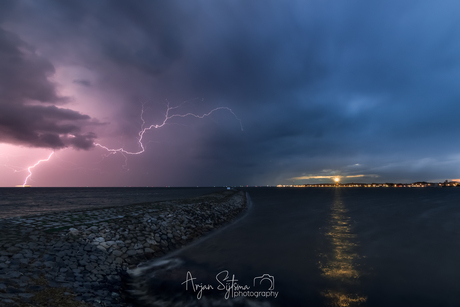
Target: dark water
[(25, 201), (336, 247)]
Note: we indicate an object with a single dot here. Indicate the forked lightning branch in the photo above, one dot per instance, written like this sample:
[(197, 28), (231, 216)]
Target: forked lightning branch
[(168, 116)]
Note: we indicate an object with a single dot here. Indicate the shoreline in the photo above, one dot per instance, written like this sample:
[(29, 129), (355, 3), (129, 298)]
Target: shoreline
[(77, 258)]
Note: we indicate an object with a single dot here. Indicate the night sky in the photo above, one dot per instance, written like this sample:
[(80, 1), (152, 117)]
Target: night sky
[(368, 91)]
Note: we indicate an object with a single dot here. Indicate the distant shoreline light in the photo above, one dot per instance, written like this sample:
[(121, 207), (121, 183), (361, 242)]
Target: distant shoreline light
[(421, 184)]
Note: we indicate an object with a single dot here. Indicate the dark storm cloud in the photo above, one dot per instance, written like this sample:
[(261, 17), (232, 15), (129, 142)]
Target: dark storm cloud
[(24, 83), (82, 82), (379, 82), (141, 35), (154, 45), (318, 86)]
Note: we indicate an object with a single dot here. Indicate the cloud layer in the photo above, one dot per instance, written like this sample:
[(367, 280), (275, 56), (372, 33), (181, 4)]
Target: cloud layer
[(347, 89), (28, 112)]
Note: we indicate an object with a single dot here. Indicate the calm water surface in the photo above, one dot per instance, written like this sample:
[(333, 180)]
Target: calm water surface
[(25, 201), (339, 247)]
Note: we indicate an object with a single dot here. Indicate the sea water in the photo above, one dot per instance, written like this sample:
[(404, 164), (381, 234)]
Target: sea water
[(26, 201), (325, 247)]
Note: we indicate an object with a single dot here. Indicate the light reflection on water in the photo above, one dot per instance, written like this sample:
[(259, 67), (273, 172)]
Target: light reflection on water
[(376, 247), (338, 266)]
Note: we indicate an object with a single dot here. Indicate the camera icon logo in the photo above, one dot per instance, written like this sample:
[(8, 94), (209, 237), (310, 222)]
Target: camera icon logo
[(268, 277)]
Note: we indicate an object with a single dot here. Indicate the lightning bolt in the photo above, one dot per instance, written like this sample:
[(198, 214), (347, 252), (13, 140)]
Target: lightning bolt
[(143, 130), (31, 167), (168, 116)]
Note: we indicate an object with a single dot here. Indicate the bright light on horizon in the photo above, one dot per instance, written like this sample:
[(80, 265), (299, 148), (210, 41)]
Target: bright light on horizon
[(308, 177), (336, 179)]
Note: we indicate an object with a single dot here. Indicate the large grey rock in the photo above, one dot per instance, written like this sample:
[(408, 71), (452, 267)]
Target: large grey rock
[(117, 253), (73, 231), (99, 240), (131, 252), (13, 249), (102, 248)]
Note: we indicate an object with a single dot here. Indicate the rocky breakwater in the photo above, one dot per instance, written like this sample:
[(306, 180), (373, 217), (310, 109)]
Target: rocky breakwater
[(77, 258)]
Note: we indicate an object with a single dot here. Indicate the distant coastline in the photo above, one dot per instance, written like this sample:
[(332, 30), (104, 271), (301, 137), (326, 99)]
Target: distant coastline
[(421, 184)]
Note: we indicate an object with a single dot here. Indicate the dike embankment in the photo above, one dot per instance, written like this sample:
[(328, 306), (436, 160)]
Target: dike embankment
[(79, 258)]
